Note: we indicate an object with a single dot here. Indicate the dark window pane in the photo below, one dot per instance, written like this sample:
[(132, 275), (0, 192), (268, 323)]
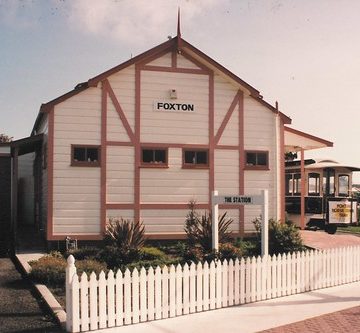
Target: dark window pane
[(250, 158), (160, 156), (147, 155), (92, 155), (201, 157), (262, 159), (343, 185), (190, 157), (79, 154)]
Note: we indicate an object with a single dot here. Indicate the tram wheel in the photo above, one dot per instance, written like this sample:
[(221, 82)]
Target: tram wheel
[(330, 229)]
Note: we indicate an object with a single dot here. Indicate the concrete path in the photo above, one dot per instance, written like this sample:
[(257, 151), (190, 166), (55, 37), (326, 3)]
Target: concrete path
[(19, 310), (322, 240), (258, 316)]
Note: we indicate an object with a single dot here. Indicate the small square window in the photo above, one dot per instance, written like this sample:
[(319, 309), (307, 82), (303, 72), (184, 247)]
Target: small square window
[(151, 157), (85, 155), (257, 160), (195, 158)]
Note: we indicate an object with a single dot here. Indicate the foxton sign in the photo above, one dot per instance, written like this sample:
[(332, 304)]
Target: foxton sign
[(173, 107)]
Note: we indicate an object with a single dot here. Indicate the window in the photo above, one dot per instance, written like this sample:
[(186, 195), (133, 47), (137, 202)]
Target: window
[(343, 185), (257, 160), (154, 157), (85, 155), (297, 183), (314, 184), (195, 158), (289, 184)]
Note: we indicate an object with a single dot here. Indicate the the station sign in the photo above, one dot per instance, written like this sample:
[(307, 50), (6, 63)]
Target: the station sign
[(238, 200), (173, 106)]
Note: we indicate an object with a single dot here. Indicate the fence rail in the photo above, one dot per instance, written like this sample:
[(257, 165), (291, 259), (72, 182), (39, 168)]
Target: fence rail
[(138, 296)]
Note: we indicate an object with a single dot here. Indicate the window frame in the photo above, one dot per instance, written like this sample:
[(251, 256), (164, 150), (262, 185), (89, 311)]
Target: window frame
[(85, 163), (256, 166), (317, 184), (153, 164), (195, 165), (342, 194)]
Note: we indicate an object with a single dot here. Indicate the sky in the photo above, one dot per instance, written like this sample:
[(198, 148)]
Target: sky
[(304, 54)]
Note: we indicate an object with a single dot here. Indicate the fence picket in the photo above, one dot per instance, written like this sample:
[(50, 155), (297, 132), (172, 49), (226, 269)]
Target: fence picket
[(212, 285), (111, 299), (224, 280), (172, 291), (206, 287), (192, 288), (127, 297), (273, 290), (186, 289), (179, 296), (150, 298), (158, 297), (93, 285), (165, 292), (248, 280), (237, 282), (231, 288), (84, 301), (75, 314), (135, 296), (253, 279), (200, 296), (119, 315), (218, 283), (278, 275), (143, 293), (258, 279), (243, 278)]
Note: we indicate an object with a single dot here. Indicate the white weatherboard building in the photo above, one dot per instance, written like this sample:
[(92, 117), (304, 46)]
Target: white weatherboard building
[(142, 139)]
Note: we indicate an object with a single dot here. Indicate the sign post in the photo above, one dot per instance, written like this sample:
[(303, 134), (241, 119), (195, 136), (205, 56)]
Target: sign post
[(215, 222), (236, 200)]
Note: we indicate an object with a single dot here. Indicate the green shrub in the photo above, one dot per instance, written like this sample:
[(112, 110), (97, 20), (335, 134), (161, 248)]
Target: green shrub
[(249, 247), (125, 235), (86, 252), (229, 251), (89, 265), (283, 237), (198, 228), (49, 270), (152, 253), (116, 257)]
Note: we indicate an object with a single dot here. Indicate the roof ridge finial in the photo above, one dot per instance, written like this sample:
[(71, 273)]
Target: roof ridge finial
[(178, 37)]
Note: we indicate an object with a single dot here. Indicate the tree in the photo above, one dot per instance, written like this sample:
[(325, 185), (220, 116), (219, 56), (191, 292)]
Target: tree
[(4, 138)]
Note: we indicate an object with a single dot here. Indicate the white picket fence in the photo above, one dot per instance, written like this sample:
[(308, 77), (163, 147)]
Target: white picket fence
[(129, 298)]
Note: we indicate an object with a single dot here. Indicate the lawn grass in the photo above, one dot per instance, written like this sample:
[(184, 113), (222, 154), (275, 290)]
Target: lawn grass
[(352, 229)]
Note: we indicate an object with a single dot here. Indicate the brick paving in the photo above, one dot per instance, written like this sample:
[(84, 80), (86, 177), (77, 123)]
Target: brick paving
[(322, 240), (345, 321)]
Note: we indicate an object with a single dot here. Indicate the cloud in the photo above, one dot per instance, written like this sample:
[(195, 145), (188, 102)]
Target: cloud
[(135, 21)]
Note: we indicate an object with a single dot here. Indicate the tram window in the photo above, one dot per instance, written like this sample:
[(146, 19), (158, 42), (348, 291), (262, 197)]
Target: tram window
[(329, 189), (297, 183), (314, 184), (289, 184), (343, 185)]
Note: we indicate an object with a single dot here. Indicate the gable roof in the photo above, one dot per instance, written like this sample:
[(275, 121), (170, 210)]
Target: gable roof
[(168, 45)]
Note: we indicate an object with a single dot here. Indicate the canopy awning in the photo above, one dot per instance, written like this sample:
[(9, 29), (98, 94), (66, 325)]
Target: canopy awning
[(296, 141)]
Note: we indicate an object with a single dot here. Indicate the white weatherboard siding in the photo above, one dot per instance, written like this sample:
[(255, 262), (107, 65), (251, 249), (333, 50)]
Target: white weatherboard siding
[(127, 214), (76, 190), (174, 185), (224, 96), (164, 61), (122, 83), (120, 174), (260, 134), (170, 126), (167, 221), (182, 62)]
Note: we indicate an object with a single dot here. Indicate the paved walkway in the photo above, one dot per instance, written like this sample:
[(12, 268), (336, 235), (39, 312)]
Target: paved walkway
[(19, 310), (322, 240), (260, 316)]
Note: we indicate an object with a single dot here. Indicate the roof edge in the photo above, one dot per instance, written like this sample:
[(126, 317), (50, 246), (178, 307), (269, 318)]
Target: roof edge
[(309, 136)]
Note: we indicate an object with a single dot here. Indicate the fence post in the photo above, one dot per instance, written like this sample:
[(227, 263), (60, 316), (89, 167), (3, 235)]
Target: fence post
[(70, 272), (215, 221)]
